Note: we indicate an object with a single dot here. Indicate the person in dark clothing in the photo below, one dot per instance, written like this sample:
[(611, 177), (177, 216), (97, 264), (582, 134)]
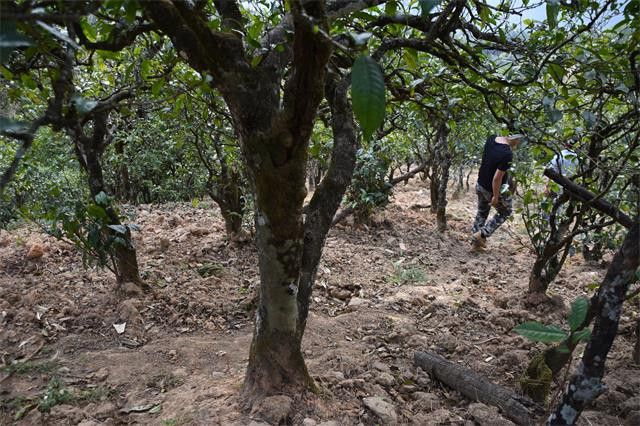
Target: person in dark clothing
[(496, 160)]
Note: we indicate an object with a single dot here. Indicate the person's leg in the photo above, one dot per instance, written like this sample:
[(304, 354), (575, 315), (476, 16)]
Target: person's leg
[(484, 205), (504, 211)]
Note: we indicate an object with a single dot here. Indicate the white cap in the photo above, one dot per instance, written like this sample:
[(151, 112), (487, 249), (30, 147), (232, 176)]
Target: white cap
[(516, 136)]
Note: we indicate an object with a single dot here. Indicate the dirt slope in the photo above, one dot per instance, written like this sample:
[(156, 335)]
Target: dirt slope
[(383, 291)]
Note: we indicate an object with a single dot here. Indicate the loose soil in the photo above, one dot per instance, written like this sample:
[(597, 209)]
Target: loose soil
[(383, 291)]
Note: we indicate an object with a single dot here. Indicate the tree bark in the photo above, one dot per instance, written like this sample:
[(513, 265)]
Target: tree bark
[(277, 166), (587, 196), (586, 384), (477, 388), (443, 159), (330, 191), (89, 151)]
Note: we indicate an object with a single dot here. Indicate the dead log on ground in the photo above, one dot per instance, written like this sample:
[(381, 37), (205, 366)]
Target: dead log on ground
[(477, 388)]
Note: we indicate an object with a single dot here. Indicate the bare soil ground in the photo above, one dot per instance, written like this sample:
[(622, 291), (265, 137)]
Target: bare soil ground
[(383, 291)]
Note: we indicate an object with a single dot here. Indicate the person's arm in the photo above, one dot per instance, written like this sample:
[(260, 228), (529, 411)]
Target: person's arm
[(495, 186)]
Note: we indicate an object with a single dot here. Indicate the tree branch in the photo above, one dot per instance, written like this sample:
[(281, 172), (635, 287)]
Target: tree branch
[(587, 196)]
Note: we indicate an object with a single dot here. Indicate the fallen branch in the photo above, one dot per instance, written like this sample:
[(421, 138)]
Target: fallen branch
[(583, 194), (477, 388), (409, 174)]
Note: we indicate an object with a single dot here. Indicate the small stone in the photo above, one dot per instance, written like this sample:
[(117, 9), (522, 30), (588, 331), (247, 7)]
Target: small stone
[(406, 389), (380, 366), (339, 293), (426, 401), (102, 374), (102, 411), (356, 302), (274, 409), (309, 422), (382, 409), (172, 353), (198, 232), (487, 416), (35, 252), (385, 379), (329, 423)]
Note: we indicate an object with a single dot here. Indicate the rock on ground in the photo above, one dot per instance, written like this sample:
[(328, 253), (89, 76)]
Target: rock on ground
[(382, 409), (485, 415)]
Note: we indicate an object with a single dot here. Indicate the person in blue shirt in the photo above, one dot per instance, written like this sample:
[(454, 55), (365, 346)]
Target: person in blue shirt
[(496, 160)]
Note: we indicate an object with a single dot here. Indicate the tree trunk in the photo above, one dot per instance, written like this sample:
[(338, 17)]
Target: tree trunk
[(434, 184), (89, 151), (328, 195), (537, 283), (443, 159), (275, 358), (586, 384)]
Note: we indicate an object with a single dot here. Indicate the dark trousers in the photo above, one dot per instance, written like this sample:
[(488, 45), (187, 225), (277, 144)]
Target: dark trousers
[(504, 210)]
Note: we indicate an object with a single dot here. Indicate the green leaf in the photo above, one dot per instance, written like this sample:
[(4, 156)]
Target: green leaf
[(552, 14), (156, 88), (411, 58), (145, 68), (537, 332), (557, 72), (96, 212), (428, 5), (578, 313), (368, 94), (102, 198), (583, 335)]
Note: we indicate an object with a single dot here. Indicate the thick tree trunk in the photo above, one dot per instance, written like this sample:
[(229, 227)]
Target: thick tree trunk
[(477, 388), (275, 359), (89, 152), (586, 384)]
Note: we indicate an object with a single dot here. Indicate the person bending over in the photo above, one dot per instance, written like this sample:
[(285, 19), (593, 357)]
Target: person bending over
[(496, 160)]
